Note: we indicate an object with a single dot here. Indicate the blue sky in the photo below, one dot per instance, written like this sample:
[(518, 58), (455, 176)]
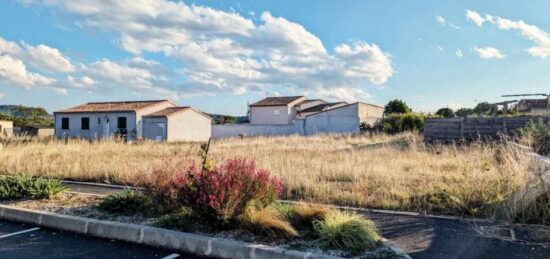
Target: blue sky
[(219, 55)]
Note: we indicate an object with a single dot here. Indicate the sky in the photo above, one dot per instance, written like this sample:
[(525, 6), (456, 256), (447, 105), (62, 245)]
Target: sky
[(220, 55)]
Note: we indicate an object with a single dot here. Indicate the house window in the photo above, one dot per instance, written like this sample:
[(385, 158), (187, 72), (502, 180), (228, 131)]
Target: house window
[(64, 123), (98, 121), (121, 122), (85, 123), (276, 113)]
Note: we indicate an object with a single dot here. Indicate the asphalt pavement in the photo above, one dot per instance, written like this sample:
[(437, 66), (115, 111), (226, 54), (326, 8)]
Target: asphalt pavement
[(27, 241)]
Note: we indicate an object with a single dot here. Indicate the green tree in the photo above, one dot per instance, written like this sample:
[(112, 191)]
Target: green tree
[(464, 112), (485, 108), (396, 106), (446, 113)]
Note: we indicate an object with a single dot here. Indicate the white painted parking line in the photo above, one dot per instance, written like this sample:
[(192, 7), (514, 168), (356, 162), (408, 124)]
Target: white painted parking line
[(18, 232), (172, 256)]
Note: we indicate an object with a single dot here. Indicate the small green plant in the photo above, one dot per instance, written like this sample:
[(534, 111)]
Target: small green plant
[(23, 186), (128, 202), (347, 231)]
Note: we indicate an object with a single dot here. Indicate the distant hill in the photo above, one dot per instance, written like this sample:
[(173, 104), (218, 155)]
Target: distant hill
[(227, 119), (26, 116)]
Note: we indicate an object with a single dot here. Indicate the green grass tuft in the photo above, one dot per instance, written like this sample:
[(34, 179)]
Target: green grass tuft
[(27, 187), (347, 231), (127, 202)]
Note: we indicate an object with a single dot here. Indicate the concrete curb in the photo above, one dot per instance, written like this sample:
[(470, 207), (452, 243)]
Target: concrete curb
[(159, 237)]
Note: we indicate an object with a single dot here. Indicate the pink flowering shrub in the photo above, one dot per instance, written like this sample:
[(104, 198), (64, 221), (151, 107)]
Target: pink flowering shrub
[(225, 191)]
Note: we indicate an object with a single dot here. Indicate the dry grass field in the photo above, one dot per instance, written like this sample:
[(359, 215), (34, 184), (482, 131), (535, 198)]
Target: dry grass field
[(384, 171)]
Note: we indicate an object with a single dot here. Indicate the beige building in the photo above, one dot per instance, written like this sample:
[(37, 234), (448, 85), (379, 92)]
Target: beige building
[(109, 119), (534, 107), (6, 128), (177, 124), (275, 110)]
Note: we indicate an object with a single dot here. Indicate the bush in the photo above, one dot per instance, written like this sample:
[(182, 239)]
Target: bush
[(347, 231), (537, 134), (226, 191), (22, 186), (268, 222), (395, 123), (161, 187), (128, 202)]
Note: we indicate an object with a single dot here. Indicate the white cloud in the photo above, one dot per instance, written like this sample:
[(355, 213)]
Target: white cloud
[(475, 17), (440, 20), (40, 56), (454, 26), (489, 52), (533, 33), (225, 52), (139, 75), (440, 48), (48, 58), (458, 53), (539, 37), (2, 95), (14, 71)]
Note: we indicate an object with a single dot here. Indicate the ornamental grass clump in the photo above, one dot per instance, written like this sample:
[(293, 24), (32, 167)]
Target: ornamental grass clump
[(224, 192), (347, 231)]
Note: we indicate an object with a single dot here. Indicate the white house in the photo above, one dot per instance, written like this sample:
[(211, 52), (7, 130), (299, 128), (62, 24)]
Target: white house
[(275, 110), (534, 107), (107, 119), (177, 124), (296, 115), (345, 118), (6, 128)]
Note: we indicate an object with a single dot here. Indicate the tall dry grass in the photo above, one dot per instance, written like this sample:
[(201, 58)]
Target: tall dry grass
[(393, 172)]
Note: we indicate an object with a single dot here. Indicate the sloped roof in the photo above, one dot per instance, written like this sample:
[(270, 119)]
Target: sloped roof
[(124, 106), (308, 101), (276, 101), (167, 112), (321, 107)]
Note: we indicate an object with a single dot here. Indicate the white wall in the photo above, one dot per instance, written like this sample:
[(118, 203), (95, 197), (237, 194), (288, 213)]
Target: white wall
[(265, 115), (371, 114), (341, 120), (96, 130), (189, 125), (233, 130)]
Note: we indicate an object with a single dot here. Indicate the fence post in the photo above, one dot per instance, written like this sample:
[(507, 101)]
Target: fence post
[(462, 128)]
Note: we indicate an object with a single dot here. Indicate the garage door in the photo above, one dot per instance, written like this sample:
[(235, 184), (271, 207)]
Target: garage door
[(154, 131)]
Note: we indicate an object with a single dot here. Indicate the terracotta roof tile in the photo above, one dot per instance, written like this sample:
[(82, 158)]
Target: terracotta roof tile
[(276, 101), (124, 106)]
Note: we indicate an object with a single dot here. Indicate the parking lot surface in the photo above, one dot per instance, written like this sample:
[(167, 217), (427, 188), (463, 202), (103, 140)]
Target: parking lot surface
[(27, 241)]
